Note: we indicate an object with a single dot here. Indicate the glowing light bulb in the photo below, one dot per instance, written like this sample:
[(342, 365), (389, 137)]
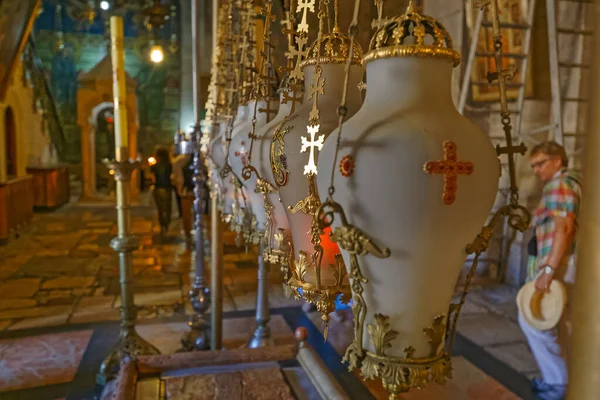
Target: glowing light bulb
[(105, 5), (157, 54), (151, 161)]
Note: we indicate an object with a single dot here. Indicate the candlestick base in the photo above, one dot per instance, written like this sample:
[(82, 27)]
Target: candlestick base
[(197, 338), (130, 344), (261, 337)]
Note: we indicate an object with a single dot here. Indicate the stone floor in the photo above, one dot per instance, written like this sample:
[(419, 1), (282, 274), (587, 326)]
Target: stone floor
[(59, 299)]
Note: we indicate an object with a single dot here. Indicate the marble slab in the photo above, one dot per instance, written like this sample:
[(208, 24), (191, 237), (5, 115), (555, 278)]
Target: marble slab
[(41, 360)]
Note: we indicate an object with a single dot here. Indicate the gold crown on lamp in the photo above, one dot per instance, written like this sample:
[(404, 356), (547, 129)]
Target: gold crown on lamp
[(412, 35), (334, 48)]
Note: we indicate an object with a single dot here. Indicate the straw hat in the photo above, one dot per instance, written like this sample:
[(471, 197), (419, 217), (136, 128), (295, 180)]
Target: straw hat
[(542, 309)]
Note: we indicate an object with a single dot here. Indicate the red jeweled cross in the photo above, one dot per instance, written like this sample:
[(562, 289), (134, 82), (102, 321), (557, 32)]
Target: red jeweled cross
[(450, 167)]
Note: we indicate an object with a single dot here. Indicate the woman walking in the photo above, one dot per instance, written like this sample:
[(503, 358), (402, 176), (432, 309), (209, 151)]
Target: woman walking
[(161, 175)]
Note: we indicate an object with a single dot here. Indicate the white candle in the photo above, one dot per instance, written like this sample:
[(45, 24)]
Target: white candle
[(119, 88)]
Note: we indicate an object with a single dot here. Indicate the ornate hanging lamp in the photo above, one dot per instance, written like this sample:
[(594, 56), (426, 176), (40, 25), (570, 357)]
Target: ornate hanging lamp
[(270, 153), (318, 273), (238, 47), (262, 106), (242, 220), (422, 180), (224, 65)]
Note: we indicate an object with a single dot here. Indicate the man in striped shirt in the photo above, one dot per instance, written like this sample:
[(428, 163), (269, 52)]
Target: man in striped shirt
[(555, 221)]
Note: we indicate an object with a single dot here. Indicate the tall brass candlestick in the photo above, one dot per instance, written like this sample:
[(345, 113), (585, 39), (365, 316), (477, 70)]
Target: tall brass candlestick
[(198, 337), (129, 343)]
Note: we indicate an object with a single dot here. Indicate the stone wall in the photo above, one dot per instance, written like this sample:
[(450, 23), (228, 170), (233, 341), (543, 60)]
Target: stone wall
[(33, 145)]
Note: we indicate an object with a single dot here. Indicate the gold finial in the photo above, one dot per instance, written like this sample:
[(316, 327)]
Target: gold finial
[(334, 47), (406, 35)]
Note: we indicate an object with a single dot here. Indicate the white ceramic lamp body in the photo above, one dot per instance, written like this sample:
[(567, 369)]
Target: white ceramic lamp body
[(229, 191), (407, 116), (297, 186), (217, 155), (263, 165), (239, 153)]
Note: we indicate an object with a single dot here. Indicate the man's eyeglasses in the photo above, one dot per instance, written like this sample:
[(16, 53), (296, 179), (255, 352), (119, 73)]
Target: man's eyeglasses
[(539, 163)]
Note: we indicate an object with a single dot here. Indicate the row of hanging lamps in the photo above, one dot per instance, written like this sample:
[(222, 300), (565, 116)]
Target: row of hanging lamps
[(217, 146), (271, 162), (317, 270), (390, 205), (421, 180), (241, 220), (263, 105), (227, 76)]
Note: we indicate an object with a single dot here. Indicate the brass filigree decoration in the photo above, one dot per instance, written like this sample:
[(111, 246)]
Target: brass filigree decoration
[(263, 187), (241, 221), (316, 88), (301, 266), (398, 374), (333, 48), (262, 90), (323, 296), (390, 37), (339, 270), (450, 167), (277, 152), (309, 205)]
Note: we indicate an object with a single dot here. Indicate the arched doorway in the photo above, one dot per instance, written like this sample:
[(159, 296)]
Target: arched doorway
[(10, 129), (102, 145), (104, 133)]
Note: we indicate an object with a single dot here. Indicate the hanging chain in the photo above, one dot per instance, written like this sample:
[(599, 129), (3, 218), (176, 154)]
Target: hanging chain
[(328, 15), (318, 85), (343, 108), (244, 46), (501, 75), (261, 83)]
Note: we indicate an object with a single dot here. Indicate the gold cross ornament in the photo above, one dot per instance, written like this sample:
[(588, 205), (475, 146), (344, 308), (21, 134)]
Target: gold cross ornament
[(303, 7), (311, 167)]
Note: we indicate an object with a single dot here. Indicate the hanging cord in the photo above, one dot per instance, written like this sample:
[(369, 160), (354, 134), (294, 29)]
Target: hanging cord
[(343, 108), (261, 83), (501, 75)]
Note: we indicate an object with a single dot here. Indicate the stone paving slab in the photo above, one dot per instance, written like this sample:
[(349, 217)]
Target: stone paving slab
[(489, 329), (58, 266), (34, 312), (517, 355), (25, 287)]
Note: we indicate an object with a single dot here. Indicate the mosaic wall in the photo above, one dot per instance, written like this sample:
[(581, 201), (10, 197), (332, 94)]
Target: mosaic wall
[(85, 44)]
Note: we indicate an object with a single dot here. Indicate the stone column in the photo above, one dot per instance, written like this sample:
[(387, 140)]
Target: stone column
[(584, 363)]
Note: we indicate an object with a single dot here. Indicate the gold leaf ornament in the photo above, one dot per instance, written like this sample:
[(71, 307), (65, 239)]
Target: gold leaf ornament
[(381, 334)]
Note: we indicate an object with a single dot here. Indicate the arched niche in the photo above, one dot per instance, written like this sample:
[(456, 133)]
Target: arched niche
[(94, 95)]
